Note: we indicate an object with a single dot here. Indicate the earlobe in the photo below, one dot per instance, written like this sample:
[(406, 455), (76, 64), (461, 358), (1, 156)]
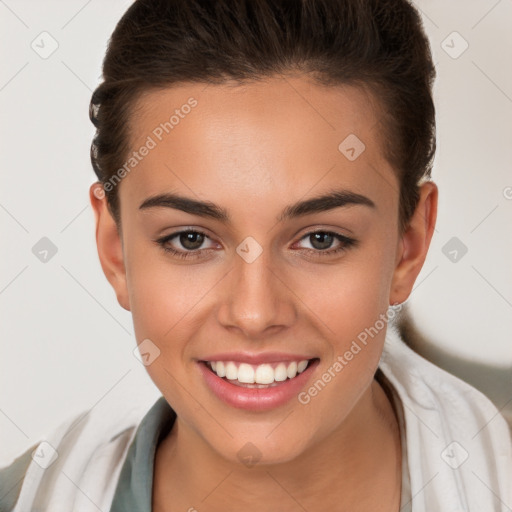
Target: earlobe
[(109, 244), (414, 244)]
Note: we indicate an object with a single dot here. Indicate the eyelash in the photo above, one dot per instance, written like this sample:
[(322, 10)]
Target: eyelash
[(347, 243)]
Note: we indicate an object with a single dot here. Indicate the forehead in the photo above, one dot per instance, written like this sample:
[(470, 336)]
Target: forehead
[(261, 140)]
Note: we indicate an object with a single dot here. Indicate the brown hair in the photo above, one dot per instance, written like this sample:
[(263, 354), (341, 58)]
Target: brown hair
[(376, 44)]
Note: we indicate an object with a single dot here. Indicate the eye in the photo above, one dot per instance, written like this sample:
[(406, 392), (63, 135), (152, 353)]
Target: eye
[(191, 240), (321, 240)]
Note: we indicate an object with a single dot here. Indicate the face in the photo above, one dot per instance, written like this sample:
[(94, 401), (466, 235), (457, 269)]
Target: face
[(235, 268)]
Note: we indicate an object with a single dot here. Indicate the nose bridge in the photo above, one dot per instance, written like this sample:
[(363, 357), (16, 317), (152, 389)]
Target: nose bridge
[(256, 299)]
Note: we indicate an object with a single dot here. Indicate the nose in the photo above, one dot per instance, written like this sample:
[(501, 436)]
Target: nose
[(256, 299)]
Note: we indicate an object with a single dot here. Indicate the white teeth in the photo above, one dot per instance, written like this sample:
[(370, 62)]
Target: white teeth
[(231, 371), (291, 371), (220, 369), (264, 374), (302, 366), (246, 374), (280, 372), (261, 374)]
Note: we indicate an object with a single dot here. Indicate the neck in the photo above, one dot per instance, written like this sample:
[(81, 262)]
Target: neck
[(356, 468)]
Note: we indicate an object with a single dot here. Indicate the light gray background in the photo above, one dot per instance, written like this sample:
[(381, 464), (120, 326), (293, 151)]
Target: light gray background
[(66, 344)]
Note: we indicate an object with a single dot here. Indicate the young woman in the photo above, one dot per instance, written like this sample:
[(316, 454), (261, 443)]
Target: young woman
[(264, 206)]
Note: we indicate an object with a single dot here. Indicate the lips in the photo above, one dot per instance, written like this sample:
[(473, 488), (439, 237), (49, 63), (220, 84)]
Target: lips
[(256, 397)]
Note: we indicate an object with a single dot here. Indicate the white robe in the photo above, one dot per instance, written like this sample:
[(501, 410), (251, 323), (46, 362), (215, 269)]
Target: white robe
[(459, 448)]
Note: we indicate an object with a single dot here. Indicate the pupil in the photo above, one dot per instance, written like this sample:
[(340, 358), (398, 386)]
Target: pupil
[(187, 240), (325, 240)]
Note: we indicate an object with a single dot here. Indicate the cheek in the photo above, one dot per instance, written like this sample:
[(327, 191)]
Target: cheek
[(158, 294), (350, 295), (351, 301), (163, 296)]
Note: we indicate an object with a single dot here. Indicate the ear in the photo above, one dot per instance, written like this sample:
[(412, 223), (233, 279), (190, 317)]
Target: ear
[(109, 243), (414, 243)]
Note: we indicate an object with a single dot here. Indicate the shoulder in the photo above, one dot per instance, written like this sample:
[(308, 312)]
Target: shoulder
[(457, 440), (424, 385), (81, 456), (11, 479)]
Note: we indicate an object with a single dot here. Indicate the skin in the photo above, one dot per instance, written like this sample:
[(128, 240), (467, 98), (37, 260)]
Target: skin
[(253, 150)]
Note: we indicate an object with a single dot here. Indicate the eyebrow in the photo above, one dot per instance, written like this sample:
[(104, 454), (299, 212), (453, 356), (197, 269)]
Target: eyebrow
[(331, 200)]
